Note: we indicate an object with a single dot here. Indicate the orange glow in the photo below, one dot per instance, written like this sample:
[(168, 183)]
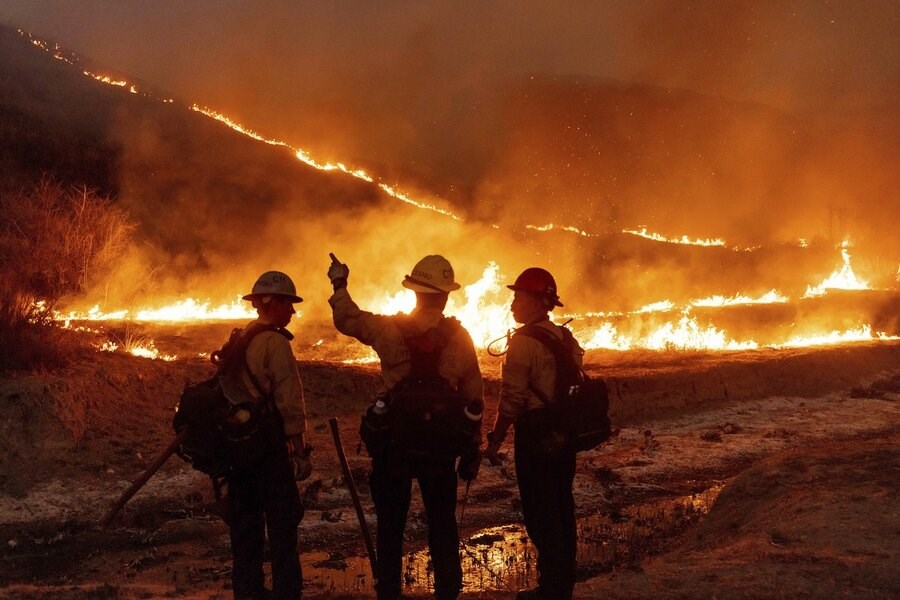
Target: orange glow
[(642, 232), (770, 297), (569, 228), (484, 312), (304, 156), (183, 310), (842, 279), (143, 347), (684, 334), (862, 333), (107, 80), (483, 307)]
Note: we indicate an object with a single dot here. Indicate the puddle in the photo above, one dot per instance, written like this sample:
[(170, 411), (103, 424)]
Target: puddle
[(503, 558)]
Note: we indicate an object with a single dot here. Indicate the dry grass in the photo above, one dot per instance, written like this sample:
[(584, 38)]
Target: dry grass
[(54, 241)]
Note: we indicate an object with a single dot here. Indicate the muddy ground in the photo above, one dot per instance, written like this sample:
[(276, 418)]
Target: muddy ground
[(764, 474)]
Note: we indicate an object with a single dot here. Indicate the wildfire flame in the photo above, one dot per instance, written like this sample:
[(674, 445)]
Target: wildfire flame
[(483, 313), (145, 348), (485, 310), (770, 297), (642, 232), (569, 228), (304, 156), (189, 309), (842, 279)]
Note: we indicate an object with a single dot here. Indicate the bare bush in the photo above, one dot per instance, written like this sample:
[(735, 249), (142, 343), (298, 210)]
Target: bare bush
[(54, 240)]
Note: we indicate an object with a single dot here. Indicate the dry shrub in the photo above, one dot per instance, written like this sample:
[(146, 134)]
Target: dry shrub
[(54, 240)]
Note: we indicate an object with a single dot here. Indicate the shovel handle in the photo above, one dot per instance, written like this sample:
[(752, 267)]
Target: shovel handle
[(143, 478), (348, 477)]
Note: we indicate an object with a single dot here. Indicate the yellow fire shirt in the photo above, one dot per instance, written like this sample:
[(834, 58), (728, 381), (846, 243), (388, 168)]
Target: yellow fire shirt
[(272, 362), (458, 363), (529, 364)]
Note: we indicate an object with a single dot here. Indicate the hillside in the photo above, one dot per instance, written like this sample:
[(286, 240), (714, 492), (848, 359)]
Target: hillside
[(214, 206)]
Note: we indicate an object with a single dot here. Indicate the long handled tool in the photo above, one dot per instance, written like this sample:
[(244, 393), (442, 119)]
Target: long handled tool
[(143, 478), (348, 477)]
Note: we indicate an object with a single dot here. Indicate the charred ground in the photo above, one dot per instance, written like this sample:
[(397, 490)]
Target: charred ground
[(799, 446)]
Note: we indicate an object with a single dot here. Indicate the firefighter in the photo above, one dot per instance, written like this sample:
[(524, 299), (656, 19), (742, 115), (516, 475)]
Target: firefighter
[(263, 496), (402, 456), (545, 464)]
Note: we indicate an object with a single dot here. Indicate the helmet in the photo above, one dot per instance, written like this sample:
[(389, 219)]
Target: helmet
[(537, 281), (431, 275), (274, 283)]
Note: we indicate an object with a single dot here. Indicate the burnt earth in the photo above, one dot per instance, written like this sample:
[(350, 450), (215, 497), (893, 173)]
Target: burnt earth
[(801, 448)]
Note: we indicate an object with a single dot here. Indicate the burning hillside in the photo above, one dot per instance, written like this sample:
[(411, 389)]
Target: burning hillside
[(630, 288)]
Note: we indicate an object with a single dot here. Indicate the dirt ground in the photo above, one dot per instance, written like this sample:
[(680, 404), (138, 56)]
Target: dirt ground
[(765, 474)]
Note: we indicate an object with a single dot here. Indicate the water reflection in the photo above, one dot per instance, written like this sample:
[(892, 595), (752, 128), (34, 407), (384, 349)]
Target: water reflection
[(502, 558)]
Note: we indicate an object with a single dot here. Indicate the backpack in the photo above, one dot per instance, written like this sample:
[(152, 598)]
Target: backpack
[(221, 436), (425, 413), (579, 408)]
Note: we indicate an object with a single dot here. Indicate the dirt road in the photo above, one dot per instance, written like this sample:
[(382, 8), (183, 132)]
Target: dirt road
[(749, 475)]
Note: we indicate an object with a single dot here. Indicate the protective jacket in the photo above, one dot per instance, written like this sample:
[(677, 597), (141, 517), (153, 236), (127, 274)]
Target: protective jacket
[(272, 362), (458, 363), (263, 499), (529, 365), (545, 471), (394, 470)]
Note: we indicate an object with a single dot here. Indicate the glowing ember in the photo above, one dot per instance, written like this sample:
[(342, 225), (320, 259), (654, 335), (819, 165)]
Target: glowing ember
[(842, 279), (369, 359)]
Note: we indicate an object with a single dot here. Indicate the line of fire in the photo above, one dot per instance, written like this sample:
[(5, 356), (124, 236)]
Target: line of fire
[(840, 307)]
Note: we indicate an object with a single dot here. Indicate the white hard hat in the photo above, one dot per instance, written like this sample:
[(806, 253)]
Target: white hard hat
[(274, 283), (431, 275)]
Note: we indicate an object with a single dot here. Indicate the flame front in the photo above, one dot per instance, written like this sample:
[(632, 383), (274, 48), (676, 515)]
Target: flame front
[(188, 309), (842, 279), (484, 311)]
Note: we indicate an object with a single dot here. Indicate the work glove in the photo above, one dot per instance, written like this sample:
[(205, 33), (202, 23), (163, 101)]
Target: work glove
[(338, 273), (469, 463), (299, 453)]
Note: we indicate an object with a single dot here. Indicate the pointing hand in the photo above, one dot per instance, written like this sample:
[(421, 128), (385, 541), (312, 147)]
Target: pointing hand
[(338, 272)]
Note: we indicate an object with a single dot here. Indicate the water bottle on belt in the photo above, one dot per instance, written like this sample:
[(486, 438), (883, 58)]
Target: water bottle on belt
[(375, 429)]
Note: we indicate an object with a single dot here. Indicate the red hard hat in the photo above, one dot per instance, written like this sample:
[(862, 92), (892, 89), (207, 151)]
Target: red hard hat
[(537, 281)]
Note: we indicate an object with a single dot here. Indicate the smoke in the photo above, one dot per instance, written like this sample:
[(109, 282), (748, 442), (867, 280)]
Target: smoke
[(414, 84), (758, 123)]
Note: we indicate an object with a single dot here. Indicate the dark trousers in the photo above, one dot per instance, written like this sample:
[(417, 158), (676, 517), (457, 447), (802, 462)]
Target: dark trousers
[(260, 498), (391, 484), (545, 485)]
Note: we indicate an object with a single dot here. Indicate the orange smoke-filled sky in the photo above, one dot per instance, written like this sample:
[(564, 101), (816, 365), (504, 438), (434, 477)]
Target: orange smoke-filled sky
[(761, 122)]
